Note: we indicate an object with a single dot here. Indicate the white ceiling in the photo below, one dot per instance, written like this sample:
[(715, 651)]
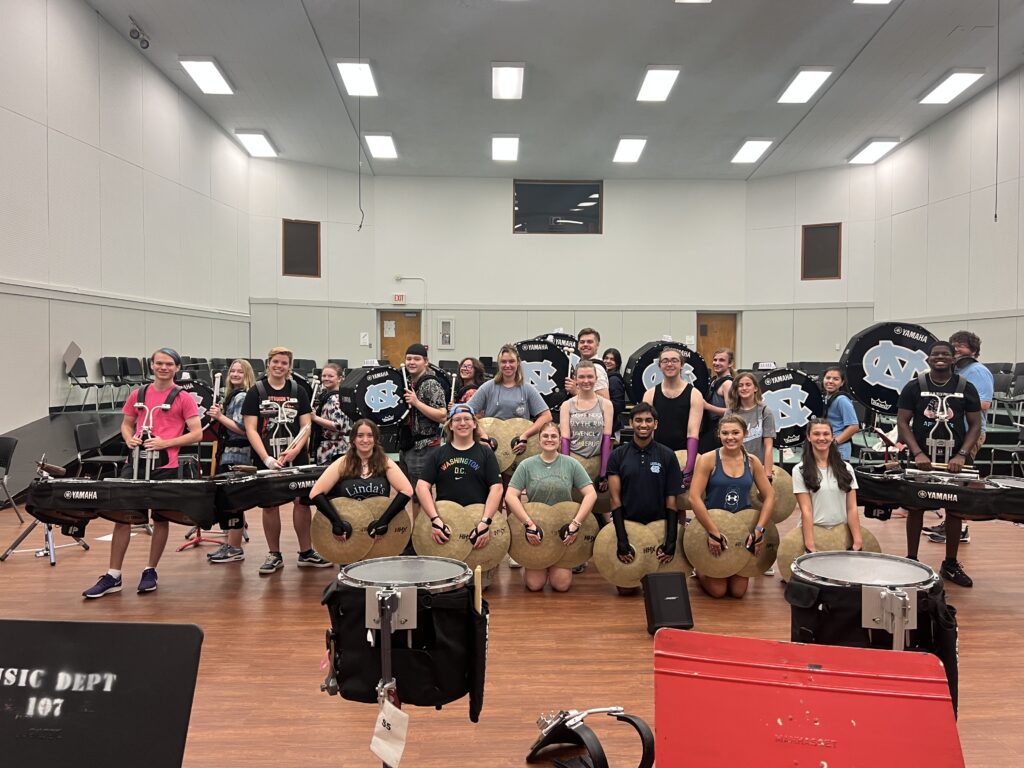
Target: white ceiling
[(584, 63)]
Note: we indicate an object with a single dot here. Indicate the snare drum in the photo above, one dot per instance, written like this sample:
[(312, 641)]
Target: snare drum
[(825, 595), (438, 662)]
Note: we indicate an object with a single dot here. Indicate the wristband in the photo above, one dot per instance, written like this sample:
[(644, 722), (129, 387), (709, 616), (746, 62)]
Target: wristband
[(759, 528), (270, 461)]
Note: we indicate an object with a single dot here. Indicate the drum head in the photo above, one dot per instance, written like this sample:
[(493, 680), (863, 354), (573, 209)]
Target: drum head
[(645, 560), (550, 520), (431, 574), (794, 399), (396, 539), (678, 563), (202, 393), (375, 394), (545, 367), (785, 499), (642, 371), (735, 556), (862, 568), (494, 551), (879, 361)]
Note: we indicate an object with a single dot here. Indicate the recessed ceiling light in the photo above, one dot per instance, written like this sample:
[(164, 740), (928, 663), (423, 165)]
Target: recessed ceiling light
[(575, 210), (752, 150), (381, 146), (585, 204), (873, 151), (567, 221), (804, 85), (358, 78), (505, 148), (206, 74), (507, 79), (256, 143), (658, 83), (629, 150), (952, 85), (595, 196)]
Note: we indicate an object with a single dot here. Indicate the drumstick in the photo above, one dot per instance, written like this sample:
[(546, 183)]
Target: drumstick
[(248, 468), (216, 386), (298, 437), (478, 590), (405, 378)]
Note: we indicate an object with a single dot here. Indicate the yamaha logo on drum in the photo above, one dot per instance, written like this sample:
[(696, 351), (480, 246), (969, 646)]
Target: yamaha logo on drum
[(296, 484), (938, 496), (81, 495), (899, 330)]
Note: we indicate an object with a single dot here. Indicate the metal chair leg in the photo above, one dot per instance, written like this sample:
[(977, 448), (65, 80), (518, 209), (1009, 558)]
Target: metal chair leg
[(10, 498)]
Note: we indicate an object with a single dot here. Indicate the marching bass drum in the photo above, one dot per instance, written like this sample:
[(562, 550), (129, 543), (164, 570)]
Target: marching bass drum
[(881, 360), (375, 394), (545, 366), (642, 371), (794, 398)]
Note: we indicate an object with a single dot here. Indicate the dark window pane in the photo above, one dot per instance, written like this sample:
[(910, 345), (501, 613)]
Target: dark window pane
[(301, 248), (557, 207), (821, 256)]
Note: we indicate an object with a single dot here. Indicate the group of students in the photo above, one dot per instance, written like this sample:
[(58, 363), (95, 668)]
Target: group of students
[(446, 455)]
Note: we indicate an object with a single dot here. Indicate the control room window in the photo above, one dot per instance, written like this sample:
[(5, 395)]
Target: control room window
[(557, 207), (821, 255), (300, 248)]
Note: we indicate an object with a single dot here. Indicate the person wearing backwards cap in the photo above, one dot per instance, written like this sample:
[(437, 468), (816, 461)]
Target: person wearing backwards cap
[(175, 423), (643, 482), (426, 398)]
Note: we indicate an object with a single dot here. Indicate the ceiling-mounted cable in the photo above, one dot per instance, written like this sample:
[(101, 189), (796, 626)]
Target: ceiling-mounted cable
[(999, 19)]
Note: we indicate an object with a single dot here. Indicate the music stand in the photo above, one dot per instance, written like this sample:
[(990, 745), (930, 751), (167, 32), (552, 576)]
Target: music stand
[(97, 693)]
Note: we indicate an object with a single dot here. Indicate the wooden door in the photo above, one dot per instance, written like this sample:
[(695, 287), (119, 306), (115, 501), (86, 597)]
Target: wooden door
[(397, 331), (715, 330)]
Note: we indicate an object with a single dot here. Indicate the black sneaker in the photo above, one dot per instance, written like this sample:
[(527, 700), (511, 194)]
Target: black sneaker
[(940, 538), (965, 535), (953, 571), (274, 562), (228, 554), (105, 586), (148, 581), (217, 552), (312, 559), (940, 528)]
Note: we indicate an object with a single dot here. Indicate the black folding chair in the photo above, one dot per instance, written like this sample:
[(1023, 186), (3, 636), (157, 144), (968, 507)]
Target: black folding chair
[(7, 446), (89, 447), (78, 378)]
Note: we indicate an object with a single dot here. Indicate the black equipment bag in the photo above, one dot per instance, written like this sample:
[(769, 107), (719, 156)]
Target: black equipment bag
[(826, 615), (666, 601), (446, 660)]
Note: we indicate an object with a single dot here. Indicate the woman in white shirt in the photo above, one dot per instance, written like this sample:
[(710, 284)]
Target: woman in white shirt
[(825, 486)]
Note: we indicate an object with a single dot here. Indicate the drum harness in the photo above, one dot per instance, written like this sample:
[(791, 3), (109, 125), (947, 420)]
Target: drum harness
[(940, 449), (567, 727), (279, 417), (141, 454)]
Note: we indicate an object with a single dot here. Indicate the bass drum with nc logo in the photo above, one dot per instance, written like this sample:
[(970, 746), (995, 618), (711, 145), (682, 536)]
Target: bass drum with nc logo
[(545, 367), (794, 399), (881, 360), (642, 371), (375, 394)]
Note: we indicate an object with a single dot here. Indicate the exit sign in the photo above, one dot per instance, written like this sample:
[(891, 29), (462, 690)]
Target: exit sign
[(398, 298)]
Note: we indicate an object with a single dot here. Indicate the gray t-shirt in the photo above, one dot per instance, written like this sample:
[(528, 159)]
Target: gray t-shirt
[(549, 483), (586, 428), (500, 402), (760, 424)]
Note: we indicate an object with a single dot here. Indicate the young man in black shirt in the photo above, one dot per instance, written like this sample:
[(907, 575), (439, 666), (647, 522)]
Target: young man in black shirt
[(427, 400), (275, 453), (933, 435), (643, 482)]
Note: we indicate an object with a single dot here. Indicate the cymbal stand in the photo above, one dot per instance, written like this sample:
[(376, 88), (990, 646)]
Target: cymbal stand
[(49, 548)]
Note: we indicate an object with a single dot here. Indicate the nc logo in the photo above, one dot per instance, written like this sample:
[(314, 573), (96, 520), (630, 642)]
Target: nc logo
[(540, 375), (887, 365), (380, 397), (652, 375), (788, 404)]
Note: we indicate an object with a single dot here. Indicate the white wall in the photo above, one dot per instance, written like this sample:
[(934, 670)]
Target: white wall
[(123, 208)]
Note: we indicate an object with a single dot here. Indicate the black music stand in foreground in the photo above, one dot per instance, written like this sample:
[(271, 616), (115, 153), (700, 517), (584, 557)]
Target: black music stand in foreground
[(75, 693)]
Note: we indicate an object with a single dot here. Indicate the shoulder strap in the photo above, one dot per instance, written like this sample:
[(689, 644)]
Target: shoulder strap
[(261, 387), (140, 394), (961, 384), (172, 395), (922, 381), (293, 389)]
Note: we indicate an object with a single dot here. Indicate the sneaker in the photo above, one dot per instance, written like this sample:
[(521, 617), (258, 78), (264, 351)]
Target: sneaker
[(104, 586), (770, 571), (218, 552), (228, 554), (148, 581), (580, 568), (940, 538), (513, 564), (965, 535), (940, 528), (312, 559), (953, 571), (274, 562)]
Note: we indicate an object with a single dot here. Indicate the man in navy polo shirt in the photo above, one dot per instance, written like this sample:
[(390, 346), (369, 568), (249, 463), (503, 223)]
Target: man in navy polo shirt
[(643, 481)]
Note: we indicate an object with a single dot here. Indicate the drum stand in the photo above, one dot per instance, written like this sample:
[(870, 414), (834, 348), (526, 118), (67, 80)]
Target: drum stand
[(49, 548), (893, 610)]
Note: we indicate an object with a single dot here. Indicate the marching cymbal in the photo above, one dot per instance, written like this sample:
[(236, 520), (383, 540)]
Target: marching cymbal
[(785, 501), (460, 520), (682, 499), (549, 519), (532, 442), (758, 564), (582, 549), (358, 514), (502, 430), (394, 542), (836, 538), (695, 545), (678, 563), (592, 465), (494, 551), (644, 546)]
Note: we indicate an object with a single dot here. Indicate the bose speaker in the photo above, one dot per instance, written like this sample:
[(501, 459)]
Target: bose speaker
[(667, 602)]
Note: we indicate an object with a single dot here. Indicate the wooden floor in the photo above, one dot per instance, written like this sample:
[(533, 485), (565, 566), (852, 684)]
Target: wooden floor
[(258, 701)]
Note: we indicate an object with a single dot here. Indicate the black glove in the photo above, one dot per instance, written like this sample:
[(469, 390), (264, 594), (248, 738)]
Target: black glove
[(492, 443), (476, 533), (668, 547), (516, 441), (339, 527), (380, 527), (622, 549), (601, 484), (563, 532)]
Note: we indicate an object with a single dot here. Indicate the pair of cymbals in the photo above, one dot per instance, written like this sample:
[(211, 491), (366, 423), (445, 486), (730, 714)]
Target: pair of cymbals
[(591, 466), (460, 520), (762, 561), (732, 559), (582, 548), (785, 501), (494, 551), (503, 431), (358, 514), (678, 563), (683, 498), (835, 538), (550, 519), (644, 544)]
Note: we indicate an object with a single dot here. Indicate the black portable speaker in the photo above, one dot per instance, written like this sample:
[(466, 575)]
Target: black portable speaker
[(667, 602)]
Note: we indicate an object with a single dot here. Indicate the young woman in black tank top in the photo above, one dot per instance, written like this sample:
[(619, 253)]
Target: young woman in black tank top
[(362, 472)]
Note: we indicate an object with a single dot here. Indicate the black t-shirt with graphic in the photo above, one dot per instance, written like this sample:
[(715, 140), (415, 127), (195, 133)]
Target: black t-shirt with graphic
[(464, 477), (251, 407), (361, 487), (925, 408)]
